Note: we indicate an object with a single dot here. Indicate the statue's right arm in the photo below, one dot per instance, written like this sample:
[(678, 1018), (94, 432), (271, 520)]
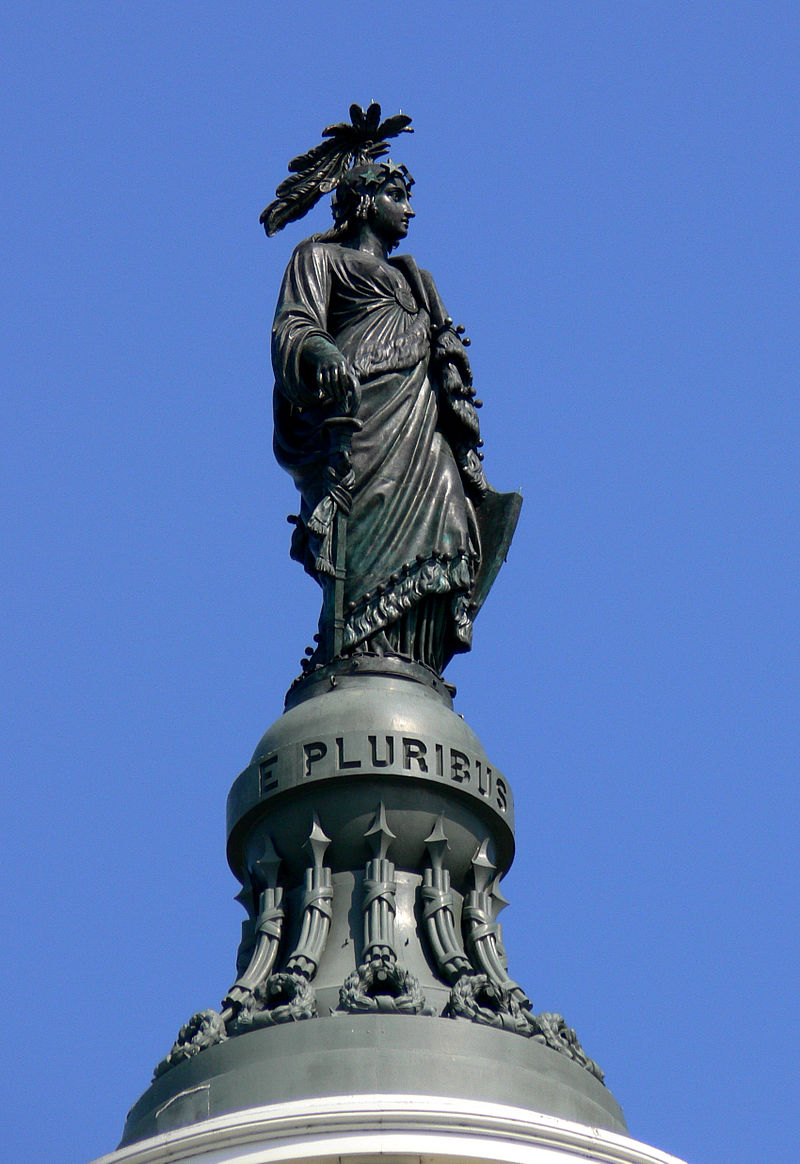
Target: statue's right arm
[(308, 365), (335, 379)]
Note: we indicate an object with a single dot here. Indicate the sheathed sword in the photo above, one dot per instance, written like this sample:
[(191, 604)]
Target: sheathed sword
[(339, 431)]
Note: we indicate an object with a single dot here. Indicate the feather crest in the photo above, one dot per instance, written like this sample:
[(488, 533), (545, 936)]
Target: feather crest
[(318, 170)]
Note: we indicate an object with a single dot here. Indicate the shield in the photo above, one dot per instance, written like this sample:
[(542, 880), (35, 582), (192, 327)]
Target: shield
[(497, 517)]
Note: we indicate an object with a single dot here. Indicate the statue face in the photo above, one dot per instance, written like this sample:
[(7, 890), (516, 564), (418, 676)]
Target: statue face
[(391, 212)]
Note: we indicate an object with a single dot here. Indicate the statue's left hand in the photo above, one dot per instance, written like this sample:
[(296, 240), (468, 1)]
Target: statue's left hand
[(450, 349), (458, 399)]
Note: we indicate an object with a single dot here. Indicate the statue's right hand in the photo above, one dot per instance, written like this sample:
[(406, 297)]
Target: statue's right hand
[(337, 380)]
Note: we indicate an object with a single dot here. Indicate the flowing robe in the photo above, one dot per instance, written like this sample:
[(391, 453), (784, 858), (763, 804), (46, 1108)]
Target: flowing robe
[(412, 541)]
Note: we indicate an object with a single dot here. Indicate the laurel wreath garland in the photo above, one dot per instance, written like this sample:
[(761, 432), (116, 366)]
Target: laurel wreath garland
[(381, 986)]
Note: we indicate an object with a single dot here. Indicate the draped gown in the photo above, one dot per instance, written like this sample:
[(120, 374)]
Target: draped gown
[(412, 540)]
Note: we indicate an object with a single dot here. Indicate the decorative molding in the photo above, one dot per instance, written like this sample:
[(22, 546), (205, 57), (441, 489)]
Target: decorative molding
[(382, 986), (379, 983), (380, 893), (209, 1027), (316, 907), (268, 930), (491, 997), (437, 913), (282, 998), (382, 1126), (480, 929), (477, 997), (247, 942), (204, 1029), (552, 1030), (481, 989)]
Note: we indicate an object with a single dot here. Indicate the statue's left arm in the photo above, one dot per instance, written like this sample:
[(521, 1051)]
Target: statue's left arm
[(458, 417)]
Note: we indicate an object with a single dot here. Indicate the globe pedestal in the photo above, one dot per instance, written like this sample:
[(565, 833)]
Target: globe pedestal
[(373, 1015)]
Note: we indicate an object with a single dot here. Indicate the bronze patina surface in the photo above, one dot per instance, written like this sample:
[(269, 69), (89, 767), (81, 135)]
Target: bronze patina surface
[(370, 831)]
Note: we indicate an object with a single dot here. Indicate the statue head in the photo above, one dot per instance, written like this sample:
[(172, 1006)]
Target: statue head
[(376, 193), (346, 161)]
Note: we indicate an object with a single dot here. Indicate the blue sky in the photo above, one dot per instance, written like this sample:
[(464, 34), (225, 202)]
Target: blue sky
[(607, 195)]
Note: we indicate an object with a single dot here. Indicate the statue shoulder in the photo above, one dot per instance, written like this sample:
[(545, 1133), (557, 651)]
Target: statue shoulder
[(311, 263), (312, 248), (428, 281)]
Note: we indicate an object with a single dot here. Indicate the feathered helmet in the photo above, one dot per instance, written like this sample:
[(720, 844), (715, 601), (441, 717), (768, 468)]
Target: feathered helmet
[(346, 162)]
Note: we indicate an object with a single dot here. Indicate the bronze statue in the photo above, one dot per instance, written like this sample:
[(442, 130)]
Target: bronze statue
[(375, 415), (370, 830)]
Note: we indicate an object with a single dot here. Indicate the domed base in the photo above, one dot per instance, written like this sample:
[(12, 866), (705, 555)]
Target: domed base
[(372, 1055), (393, 1129), (370, 831)]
